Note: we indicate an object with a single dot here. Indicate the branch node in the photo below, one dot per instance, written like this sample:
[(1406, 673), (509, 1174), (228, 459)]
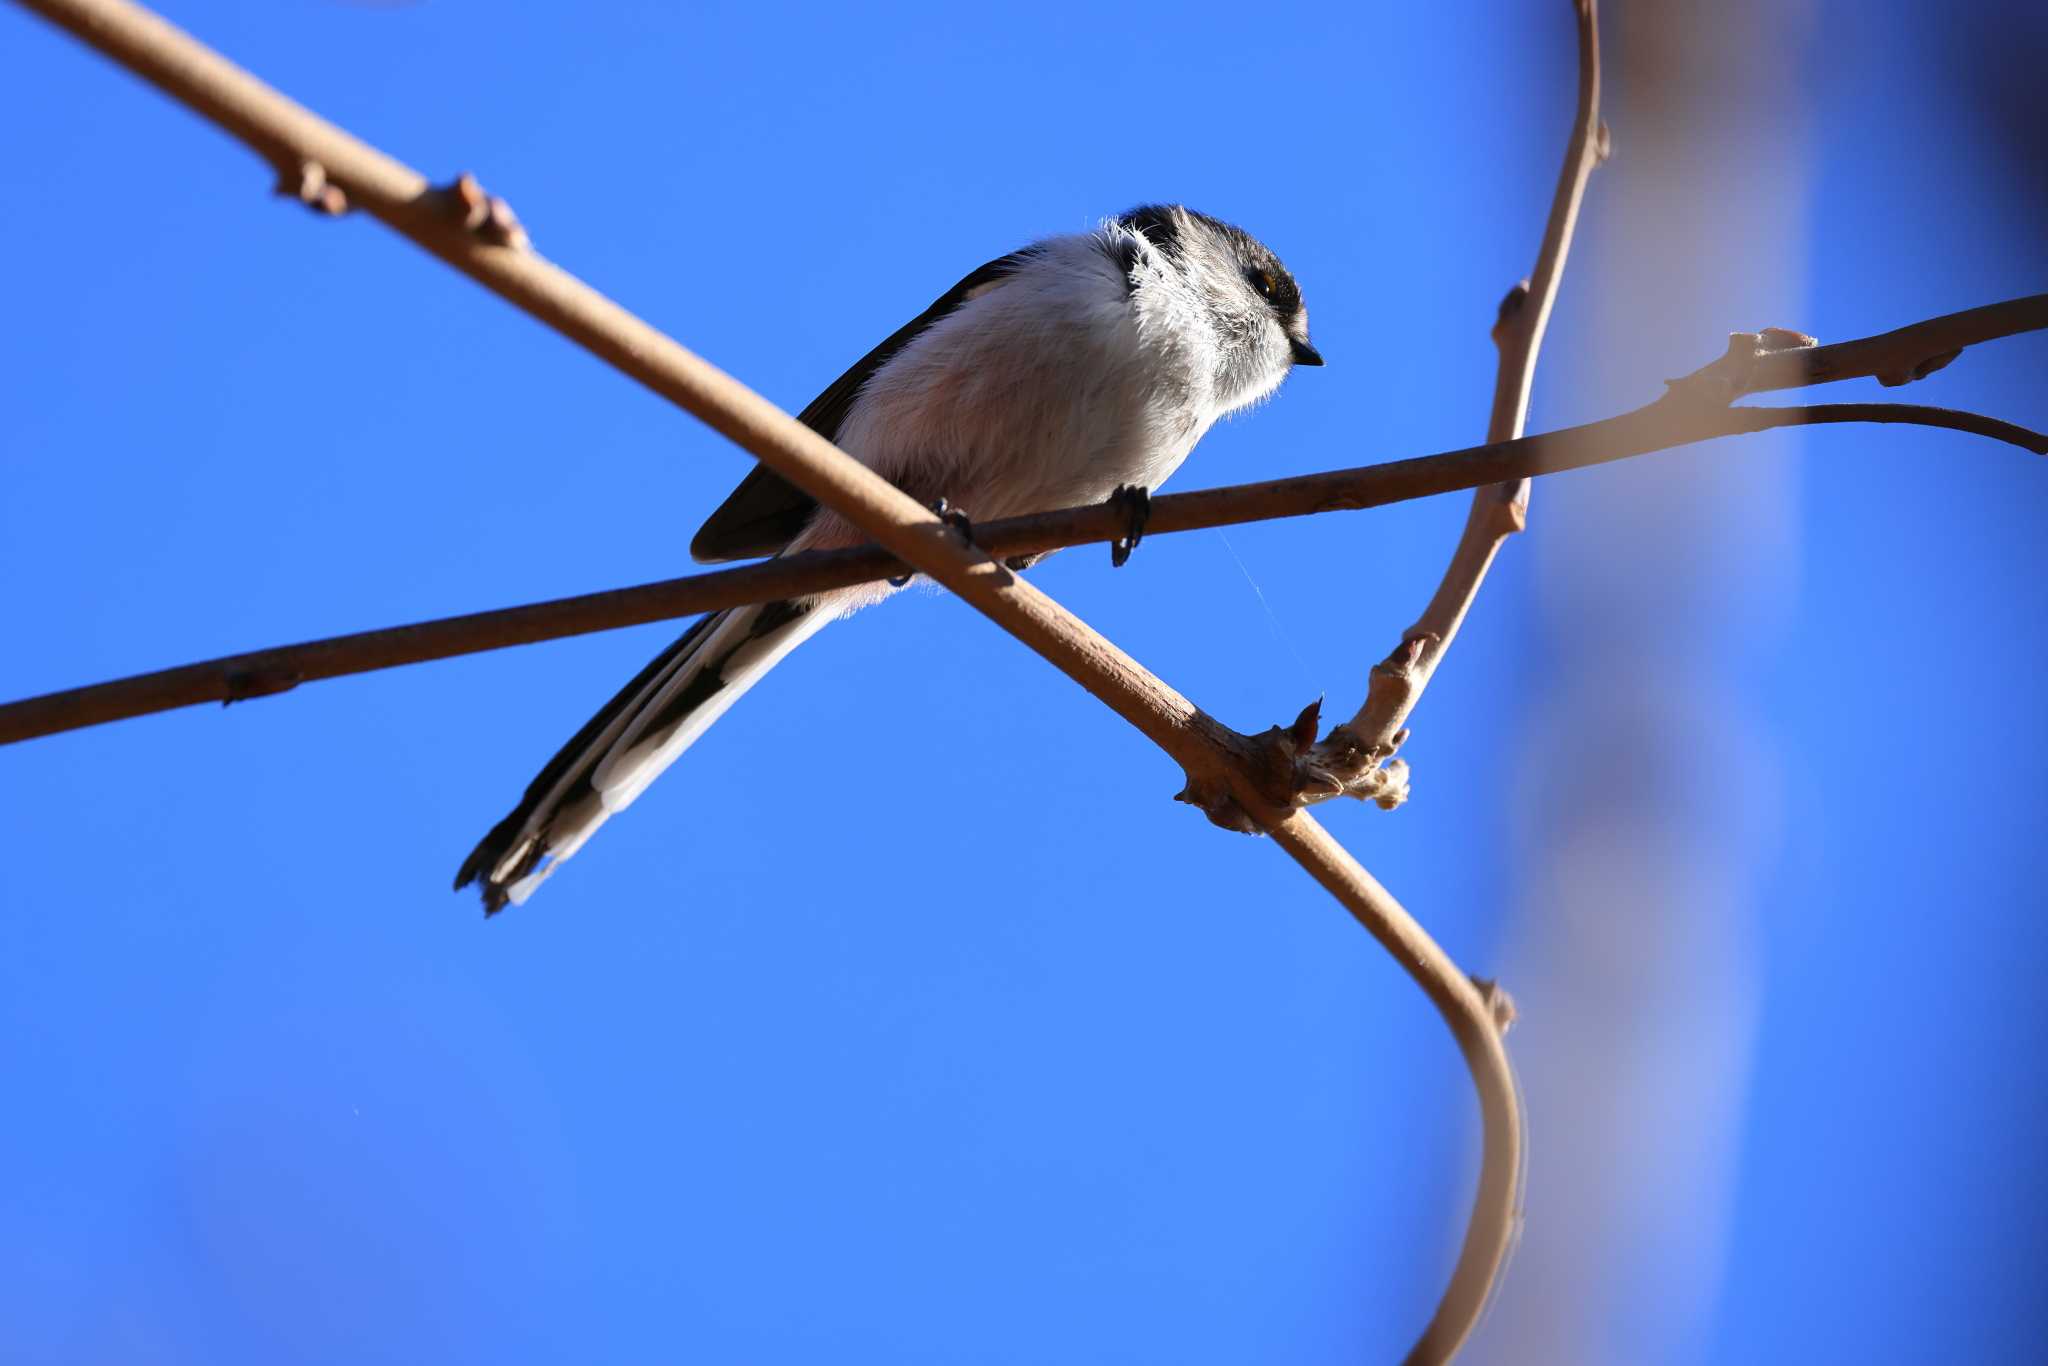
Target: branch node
[(1498, 1003), (1406, 658), (1775, 339), (483, 214), (1511, 305), (1385, 786), (1603, 144), (1921, 369), (241, 685), (1723, 380), (1222, 809), (1720, 382), (1507, 510), (1307, 725), (1344, 764), (306, 181)]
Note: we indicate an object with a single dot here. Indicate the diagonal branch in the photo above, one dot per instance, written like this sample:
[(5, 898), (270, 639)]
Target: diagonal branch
[(261, 673), (479, 236)]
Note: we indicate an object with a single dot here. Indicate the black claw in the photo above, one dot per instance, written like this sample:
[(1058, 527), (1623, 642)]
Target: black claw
[(1135, 501), (954, 518)]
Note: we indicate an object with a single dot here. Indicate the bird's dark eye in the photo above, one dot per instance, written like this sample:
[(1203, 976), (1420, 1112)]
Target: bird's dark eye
[(1262, 280)]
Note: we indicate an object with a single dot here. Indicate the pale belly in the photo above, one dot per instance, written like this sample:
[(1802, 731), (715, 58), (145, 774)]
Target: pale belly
[(1006, 438)]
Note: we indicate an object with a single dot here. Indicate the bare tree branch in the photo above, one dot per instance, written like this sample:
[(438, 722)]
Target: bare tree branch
[(1664, 425), (480, 236)]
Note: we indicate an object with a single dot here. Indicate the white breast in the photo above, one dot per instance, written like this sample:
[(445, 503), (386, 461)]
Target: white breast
[(1049, 389)]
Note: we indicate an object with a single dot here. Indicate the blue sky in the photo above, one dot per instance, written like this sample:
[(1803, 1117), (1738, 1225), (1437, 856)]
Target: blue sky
[(906, 1019)]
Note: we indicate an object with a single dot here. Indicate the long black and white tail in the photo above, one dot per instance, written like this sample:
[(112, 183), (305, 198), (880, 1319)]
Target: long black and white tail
[(625, 746)]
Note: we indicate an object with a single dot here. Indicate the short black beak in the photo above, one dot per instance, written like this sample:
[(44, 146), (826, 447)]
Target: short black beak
[(1304, 354)]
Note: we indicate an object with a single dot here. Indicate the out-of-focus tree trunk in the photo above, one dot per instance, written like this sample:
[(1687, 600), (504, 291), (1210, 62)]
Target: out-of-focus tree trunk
[(1645, 798)]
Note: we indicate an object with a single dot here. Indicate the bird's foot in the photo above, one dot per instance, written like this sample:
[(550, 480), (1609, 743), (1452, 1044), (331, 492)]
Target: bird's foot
[(1135, 501), (952, 517)]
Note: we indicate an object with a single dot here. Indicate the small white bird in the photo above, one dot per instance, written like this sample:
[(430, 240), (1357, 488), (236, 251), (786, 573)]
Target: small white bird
[(1081, 368)]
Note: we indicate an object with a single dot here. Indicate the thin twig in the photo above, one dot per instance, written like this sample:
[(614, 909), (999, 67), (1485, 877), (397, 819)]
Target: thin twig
[(490, 249), (1378, 728), (263, 673)]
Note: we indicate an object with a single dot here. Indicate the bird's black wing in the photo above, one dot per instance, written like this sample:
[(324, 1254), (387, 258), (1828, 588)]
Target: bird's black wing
[(766, 511)]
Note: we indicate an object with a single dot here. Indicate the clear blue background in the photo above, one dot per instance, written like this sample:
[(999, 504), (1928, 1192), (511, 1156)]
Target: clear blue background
[(907, 1019)]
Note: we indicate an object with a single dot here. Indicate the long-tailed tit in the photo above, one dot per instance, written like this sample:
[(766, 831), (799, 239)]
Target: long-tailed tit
[(1080, 368)]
